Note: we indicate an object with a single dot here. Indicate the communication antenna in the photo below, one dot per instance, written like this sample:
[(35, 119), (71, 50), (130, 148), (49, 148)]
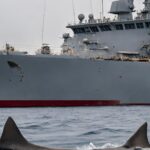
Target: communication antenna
[(73, 9), (102, 9), (43, 19), (91, 6)]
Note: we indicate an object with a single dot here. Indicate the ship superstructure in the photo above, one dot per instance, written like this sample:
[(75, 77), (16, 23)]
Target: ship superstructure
[(105, 63), (107, 37)]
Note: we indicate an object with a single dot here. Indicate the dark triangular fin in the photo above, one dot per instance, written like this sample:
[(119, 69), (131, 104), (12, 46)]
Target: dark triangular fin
[(11, 133), (139, 138)]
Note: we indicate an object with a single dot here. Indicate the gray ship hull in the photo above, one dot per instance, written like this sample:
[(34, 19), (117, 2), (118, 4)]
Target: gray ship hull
[(68, 81)]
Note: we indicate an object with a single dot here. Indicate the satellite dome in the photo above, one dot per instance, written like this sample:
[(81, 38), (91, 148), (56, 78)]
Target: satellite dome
[(66, 35), (81, 17), (91, 16)]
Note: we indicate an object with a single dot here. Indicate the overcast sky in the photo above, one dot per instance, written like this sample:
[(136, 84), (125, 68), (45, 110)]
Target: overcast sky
[(21, 20)]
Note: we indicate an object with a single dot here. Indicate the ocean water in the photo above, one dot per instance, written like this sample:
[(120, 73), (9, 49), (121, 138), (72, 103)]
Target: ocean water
[(81, 128)]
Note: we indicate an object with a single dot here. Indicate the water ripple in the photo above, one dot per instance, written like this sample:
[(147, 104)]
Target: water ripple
[(81, 128)]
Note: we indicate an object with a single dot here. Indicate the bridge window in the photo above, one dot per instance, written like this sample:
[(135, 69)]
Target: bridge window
[(78, 30), (94, 29), (105, 28), (81, 30), (147, 24), (119, 27), (139, 25), (130, 26), (87, 30)]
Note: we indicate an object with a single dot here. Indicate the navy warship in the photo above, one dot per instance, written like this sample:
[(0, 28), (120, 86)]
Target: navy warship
[(105, 63)]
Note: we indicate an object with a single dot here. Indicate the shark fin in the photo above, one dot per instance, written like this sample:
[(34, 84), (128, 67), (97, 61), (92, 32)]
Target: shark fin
[(11, 133), (139, 139)]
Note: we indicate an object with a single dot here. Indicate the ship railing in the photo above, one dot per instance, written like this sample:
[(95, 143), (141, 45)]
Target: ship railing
[(97, 21), (105, 20)]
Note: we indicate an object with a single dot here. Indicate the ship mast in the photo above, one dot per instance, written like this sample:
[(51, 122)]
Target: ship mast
[(101, 9), (73, 9), (91, 6), (43, 19)]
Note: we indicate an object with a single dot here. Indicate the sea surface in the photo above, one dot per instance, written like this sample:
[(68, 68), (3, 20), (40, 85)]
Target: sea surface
[(81, 128)]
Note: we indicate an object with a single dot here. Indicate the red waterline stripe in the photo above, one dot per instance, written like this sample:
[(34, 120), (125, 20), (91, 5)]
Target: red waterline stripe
[(57, 103), (135, 104)]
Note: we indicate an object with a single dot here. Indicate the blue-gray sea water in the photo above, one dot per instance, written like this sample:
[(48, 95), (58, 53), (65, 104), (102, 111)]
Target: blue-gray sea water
[(77, 127)]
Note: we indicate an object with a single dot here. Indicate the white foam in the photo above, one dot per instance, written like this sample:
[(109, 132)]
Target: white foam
[(91, 146), (109, 145)]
